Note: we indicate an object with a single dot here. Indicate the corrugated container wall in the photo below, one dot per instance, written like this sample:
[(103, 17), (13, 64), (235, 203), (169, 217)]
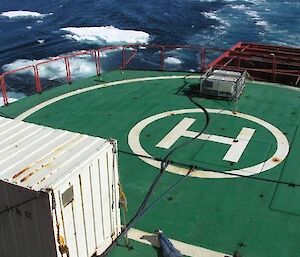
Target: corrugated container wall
[(59, 192)]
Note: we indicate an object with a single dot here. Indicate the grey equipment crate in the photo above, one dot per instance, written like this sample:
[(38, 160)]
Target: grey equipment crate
[(223, 84)]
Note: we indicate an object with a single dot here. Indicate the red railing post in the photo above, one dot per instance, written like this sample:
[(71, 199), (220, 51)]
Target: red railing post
[(273, 67), (68, 70), (123, 58), (97, 61), (37, 79), (203, 58), (298, 79), (127, 61), (162, 58), (239, 62), (3, 90)]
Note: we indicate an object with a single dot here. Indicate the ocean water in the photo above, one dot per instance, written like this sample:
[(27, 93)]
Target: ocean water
[(36, 30)]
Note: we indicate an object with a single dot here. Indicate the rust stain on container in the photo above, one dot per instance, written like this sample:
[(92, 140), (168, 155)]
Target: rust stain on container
[(20, 172), (67, 145), (47, 164), (26, 177)]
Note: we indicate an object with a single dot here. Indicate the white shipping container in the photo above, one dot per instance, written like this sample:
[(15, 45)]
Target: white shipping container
[(59, 192)]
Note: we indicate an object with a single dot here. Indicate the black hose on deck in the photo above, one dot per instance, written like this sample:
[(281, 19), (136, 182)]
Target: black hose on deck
[(164, 164)]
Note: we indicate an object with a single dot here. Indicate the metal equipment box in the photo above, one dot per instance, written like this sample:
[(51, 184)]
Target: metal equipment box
[(59, 192), (222, 83)]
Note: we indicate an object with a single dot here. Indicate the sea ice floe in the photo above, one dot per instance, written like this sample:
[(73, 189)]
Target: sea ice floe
[(106, 35), (173, 60), (23, 14)]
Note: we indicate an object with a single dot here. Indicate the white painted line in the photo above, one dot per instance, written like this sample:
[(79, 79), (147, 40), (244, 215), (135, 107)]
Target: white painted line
[(40, 106), (216, 139), (239, 145), (184, 248), (278, 157), (180, 130)]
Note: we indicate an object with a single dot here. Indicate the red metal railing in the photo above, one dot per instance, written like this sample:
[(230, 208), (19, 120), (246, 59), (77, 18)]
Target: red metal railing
[(3, 90), (264, 62), (34, 69), (96, 55), (199, 51), (229, 59)]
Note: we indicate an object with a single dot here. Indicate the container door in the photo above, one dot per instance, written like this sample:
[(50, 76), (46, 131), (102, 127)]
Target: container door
[(105, 172), (89, 205), (25, 223), (114, 182)]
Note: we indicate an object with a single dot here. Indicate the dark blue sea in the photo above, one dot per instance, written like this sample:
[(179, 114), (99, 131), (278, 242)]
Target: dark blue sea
[(36, 30)]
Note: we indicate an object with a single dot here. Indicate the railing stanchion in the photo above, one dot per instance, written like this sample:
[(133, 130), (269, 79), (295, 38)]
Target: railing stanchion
[(37, 79), (68, 71), (3, 89), (133, 54), (273, 67), (200, 60), (203, 58), (123, 58), (97, 61), (162, 58)]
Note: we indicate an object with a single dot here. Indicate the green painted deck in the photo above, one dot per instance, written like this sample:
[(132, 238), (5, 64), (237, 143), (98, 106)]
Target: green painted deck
[(253, 217)]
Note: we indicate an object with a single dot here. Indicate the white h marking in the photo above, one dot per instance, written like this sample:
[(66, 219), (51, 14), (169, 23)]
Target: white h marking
[(237, 145)]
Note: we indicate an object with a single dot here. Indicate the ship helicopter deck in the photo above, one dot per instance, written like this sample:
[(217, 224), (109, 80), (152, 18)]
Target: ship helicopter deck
[(232, 190)]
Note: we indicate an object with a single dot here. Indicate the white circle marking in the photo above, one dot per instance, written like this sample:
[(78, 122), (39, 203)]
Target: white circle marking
[(280, 154)]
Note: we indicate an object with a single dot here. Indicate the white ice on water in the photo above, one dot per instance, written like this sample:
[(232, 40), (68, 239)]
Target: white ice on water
[(23, 14), (172, 60), (106, 35)]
